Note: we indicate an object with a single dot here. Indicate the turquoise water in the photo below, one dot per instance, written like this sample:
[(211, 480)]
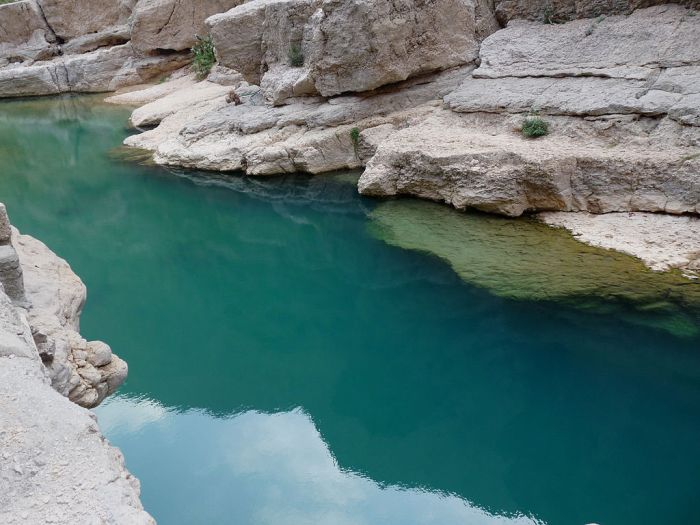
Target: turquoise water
[(288, 367)]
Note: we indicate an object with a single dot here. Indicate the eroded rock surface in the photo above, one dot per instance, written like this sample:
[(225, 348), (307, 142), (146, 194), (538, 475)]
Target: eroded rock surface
[(55, 465), (84, 371), (632, 86), (172, 25), (559, 11), (661, 241), (294, 48), (58, 46)]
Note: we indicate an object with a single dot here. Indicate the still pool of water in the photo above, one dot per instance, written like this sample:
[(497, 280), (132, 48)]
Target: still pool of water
[(291, 365)]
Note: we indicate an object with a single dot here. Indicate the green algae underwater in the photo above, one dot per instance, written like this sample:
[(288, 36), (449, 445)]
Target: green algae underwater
[(297, 356), (527, 260)]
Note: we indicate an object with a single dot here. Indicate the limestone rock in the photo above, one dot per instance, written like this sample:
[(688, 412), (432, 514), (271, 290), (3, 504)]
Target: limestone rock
[(477, 164), (171, 25), (72, 18), (101, 70), (344, 46), (558, 11), (60, 469), (5, 226), (307, 135), (11, 273), (86, 372), (367, 44), (24, 35), (661, 241), (632, 47), (644, 64)]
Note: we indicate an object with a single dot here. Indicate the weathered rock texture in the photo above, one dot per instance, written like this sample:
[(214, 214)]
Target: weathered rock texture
[(84, 371), (620, 95), (55, 466), (558, 11), (622, 99), (345, 46), (661, 241), (172, 25), (58, 46), (24, 34)]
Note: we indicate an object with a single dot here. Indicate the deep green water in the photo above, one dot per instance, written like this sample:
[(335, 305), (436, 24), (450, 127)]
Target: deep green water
[(288, 366)]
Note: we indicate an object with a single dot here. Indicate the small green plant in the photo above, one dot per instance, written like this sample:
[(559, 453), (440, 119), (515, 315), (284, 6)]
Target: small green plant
[(204, 58), (594, 24), (295, 56), (687, 158), (534, 126), (548, 14), (355, 137)]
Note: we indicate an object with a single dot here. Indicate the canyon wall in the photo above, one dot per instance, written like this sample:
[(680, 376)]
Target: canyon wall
[(620, 95), (57, 46)]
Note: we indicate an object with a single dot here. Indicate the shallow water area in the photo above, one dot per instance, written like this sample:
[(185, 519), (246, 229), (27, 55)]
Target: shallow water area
[(299, 354)]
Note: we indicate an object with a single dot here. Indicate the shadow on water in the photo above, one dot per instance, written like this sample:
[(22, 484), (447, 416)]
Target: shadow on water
[(281, 341)]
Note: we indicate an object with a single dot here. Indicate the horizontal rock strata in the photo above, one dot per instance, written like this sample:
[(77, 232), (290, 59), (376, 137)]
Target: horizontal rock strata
[(619, 95), (58, 46)]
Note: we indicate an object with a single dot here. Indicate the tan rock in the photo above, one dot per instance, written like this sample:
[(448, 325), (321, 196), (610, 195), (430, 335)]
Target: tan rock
[(558, 11), (24, 35), (72, 18), (661, 241), (341, 46), (171, 25), (479, 163)]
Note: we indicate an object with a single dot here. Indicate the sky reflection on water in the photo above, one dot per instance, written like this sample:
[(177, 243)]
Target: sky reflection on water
[(277, 467)]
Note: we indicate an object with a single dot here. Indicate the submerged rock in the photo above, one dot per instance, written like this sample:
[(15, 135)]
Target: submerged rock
[(527, 260)]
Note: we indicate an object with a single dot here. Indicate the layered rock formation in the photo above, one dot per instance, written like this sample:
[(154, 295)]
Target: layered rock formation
[(55, 466), (430, 97), (56, 46), (620, 94), (345, 46)]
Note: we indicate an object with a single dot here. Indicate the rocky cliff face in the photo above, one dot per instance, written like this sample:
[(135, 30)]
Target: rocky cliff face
[(430, 96), (58, 46), (620, 95), (55, 466)]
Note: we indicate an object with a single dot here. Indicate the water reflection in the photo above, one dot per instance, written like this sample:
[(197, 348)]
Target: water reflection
[(266, 469)]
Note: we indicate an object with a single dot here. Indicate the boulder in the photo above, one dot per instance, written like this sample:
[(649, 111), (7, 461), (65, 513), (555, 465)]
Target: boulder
[(328, 47), (102, 70), (171, 25), (24, 35), (632, 47), (73, 18)]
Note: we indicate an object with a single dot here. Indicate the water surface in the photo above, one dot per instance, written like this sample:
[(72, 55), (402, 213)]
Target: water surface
[(289, 366)]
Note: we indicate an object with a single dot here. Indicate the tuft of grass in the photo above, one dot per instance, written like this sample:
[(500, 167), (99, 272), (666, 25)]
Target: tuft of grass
[(355, 137), (204, 58), (692, 156), (534, 126), (548, 14), (295, 56), (594, 24)]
